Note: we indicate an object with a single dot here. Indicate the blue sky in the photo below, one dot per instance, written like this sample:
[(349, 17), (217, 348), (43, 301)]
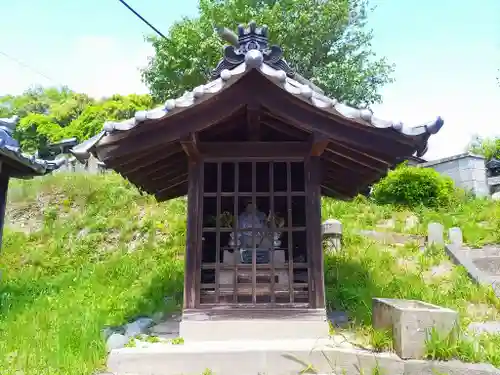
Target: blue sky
[(446, 53)]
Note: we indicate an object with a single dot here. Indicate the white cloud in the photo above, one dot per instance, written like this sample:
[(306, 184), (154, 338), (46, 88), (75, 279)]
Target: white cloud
[(97, 65), (102, 66)]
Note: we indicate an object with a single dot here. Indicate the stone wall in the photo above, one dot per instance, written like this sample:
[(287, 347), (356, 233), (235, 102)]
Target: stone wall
[(467, 170)]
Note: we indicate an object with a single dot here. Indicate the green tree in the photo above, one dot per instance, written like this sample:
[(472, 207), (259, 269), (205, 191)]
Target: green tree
[(35, 130), (50, 114), (487, 147), (325, 41), (116, 108)]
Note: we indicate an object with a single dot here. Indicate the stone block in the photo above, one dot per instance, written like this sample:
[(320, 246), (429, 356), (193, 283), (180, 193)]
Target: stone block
[(411, 322), (455, 236), (332, 232), (435, 234)]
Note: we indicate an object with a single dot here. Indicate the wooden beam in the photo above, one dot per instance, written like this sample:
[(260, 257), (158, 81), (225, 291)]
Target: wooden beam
[(254, 149), (365, 164), (319, 142), (290, 130), (136, 161), (334, 193), (380, 157), (175, 192), (346, 165), (253, 123), (189, 144), (146, 159), (158, 168), (167, 183)]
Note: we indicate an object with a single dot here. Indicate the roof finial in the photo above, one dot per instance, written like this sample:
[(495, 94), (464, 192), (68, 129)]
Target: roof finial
[(251, 37)]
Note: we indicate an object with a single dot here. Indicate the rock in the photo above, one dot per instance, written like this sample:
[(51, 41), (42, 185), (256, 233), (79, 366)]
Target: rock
[(486, 327), (455, 236), (435, 234), (116, 341), (108, 331), (138, 327), (338, 318)]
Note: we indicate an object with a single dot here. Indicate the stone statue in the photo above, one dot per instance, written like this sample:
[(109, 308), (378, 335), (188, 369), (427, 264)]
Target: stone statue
[(263, 239)]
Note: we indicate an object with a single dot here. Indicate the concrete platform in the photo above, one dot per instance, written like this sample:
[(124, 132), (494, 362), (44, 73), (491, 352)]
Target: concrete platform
[(253, 324), (274, 357)]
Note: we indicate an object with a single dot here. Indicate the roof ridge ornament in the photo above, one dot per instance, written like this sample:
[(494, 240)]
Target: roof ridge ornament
[(251, 38)]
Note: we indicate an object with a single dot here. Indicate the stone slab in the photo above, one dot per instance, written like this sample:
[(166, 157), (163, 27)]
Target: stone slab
[(492, 327), (277, 357), (435, 234), (463, 257), (489, 265), (392, 237)]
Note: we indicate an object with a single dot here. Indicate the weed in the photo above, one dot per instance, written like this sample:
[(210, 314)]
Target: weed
[(177, 341)]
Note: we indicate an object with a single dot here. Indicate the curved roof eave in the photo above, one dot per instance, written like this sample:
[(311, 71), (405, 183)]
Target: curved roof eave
[(113, 131)]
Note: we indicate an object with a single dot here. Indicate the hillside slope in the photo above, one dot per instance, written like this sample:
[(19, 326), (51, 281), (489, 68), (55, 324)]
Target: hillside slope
[(82, 252)]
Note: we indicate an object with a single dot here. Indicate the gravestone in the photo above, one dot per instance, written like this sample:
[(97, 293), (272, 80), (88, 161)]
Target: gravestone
[(411, 222), (455, 236), (332, 234), (435, 234)]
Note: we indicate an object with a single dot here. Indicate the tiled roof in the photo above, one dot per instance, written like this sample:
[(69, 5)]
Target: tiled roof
[(23, 165)]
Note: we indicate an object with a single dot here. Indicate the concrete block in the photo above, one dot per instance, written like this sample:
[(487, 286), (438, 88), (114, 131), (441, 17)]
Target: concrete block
[(411, 321), (332, 232), (435, 234), (455, 236)]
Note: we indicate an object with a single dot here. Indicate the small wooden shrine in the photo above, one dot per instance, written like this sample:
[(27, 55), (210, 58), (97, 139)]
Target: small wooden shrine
[(16, 164), (254, 149)]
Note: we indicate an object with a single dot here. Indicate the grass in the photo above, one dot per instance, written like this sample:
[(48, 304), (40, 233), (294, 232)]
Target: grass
[(94, 252)]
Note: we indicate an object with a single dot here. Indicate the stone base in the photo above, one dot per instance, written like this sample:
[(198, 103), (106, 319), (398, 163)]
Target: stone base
[(253, 324), (274, 357)]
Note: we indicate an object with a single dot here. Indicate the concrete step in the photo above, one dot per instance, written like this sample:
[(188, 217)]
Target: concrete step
[(249, 329), (274, 357)]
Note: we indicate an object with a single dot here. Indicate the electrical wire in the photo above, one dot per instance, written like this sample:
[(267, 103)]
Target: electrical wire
[(143, 19), (24, 65)]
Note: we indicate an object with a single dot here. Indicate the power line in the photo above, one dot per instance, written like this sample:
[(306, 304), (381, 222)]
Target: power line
[(143, 19), (24, 65)]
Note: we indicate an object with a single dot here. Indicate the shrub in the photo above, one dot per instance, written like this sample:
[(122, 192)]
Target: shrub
[(413, 186)]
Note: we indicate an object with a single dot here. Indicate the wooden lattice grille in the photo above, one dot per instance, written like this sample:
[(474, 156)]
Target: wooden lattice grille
[(262, 265)]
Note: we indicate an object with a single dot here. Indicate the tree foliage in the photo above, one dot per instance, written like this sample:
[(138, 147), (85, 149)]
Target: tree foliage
[(325, 41), (487, 147), (51, 114)]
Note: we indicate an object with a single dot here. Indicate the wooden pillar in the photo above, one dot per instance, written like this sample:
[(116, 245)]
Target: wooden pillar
[(4, 185), (313, 221), (193, 236)]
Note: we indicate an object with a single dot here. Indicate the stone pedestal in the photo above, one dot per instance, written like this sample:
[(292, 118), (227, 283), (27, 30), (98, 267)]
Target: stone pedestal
[(226, 277), (411, 322)]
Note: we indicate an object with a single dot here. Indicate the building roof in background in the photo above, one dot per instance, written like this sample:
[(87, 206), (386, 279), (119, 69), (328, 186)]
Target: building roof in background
[(16, 163)]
